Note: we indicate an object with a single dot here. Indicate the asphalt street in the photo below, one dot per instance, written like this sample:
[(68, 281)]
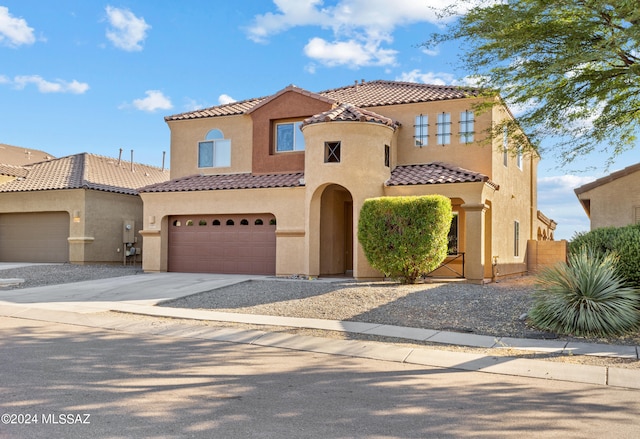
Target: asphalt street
[(67, 381)]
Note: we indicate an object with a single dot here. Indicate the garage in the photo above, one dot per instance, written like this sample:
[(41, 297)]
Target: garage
[(34, 237), (232, 244)]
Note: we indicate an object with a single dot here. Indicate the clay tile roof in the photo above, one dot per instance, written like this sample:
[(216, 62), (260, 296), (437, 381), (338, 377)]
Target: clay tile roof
[(87, 171), (350, 113), (234, 108), (227, 181), (434, 173), (13, 171), (363, 94), (380, 93), (17, 155)]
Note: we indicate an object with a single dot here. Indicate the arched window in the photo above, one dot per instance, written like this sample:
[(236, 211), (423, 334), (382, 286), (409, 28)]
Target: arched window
[(214, 151), (215, 223), (244, 222), (202, 223), (189, 222), (258, 222), (230, 222), (177, 223)]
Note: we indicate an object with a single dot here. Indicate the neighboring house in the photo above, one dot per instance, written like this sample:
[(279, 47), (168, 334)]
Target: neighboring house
[(72, 209), (274, 185), (16, 155), (613, 200)]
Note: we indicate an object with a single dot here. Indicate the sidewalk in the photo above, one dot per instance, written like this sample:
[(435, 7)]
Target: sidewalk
[(84, 303)]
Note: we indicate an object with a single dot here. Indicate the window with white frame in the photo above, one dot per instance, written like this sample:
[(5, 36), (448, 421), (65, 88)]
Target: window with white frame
[(214, 151), (421, 130), (444, 129), (516, 238), (466, 126), (289, 137), (505, 146)]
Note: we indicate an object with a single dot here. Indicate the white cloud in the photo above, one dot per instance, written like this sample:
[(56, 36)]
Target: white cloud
[(557, 200), (225, 99), (14, 31), (349, 53), (44, 86), (127, 31), (154, 101), (436, 78), (360, 27)]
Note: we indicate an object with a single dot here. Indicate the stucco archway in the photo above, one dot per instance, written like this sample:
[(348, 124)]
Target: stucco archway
[(336, 231)]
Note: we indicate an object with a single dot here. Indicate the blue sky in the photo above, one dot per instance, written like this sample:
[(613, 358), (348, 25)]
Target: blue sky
[(93, 76)]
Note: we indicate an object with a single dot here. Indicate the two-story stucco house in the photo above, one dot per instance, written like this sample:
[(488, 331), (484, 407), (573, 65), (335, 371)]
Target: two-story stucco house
[(274, 185)]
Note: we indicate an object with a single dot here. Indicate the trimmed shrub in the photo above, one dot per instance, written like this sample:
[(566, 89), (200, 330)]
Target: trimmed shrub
[(623, 241), (405, 237), (585, 297)]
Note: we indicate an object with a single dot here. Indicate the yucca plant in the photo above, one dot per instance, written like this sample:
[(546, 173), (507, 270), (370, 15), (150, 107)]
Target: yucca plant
[(585, 297)]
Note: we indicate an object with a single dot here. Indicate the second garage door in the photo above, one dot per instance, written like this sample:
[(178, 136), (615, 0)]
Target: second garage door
[(34, 237), (238, 244)]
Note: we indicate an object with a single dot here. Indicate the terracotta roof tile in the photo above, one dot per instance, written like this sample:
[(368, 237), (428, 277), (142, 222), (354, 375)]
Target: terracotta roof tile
[(13, 171), (380, 93), (350, 113), (86, 171), (227, 181), (434, 173), (17, 155), (364, 94)]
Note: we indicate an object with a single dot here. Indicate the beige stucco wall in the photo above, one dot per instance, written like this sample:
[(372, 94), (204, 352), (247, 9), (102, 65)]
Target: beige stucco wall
[(469, 156), (286, 204), (613, 204), (185, 135), (95, 228), (361, 171)]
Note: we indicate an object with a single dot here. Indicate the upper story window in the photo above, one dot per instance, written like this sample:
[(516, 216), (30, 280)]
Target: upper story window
[(444, 129), (519, 157), (466, 126), (332, 152), (289, 137), (421, 130), (214, 151)]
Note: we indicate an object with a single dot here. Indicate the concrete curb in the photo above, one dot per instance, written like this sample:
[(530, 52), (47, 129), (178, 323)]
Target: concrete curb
[(596, 375)]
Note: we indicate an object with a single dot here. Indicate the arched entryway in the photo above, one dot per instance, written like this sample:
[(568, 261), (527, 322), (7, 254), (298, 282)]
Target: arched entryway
[(336, 231)]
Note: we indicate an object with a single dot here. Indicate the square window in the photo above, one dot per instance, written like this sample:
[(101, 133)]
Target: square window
[(289, 137), (214, 153), (332, 152)]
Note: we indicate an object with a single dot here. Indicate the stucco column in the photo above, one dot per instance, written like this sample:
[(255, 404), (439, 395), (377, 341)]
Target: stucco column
[(474, 241)]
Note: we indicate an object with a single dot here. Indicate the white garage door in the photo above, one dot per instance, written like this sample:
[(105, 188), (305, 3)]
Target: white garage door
[(240, 244), (34, 237)]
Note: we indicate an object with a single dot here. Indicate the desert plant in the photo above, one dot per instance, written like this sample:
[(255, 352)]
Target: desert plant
[(405, 237), (623, 241), (585, 297)]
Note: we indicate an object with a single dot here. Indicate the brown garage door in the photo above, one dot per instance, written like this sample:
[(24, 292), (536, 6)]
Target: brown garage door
[(242, 244), (34, 237)]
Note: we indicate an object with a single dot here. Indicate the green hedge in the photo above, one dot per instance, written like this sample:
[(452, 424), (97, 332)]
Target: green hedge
[(405, 237), (622, 241)]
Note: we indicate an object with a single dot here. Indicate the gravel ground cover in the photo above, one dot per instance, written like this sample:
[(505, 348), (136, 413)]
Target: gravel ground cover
[(496, 309)]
